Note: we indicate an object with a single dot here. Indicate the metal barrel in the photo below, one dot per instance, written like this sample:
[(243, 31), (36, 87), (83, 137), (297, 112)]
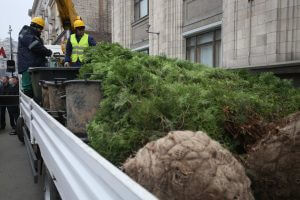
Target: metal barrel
[(82, 102), (49, 74)]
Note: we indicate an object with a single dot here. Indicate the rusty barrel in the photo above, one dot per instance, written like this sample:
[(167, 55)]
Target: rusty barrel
[(82, 102), (45, 95), (49, 74), (56, 92)]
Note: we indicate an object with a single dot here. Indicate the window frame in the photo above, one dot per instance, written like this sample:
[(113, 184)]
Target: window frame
[(137, 3), (197, 53), (146, 51)]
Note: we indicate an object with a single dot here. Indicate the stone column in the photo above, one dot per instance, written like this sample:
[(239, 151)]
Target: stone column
[(166, 18), (121, 22)]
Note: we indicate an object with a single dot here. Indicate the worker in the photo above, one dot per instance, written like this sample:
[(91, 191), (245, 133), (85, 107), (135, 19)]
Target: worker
[(31, 51), (4, 91), (76, 44)]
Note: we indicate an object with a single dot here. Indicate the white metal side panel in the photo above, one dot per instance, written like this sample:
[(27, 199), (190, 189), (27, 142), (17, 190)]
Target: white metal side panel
[(79, 172), (25, 109)]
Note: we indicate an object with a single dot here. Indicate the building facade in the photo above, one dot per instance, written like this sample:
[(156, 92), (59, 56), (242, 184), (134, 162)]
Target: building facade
[(48, 10), (261, 32), (224, 33), (95, 13), (186, 29)]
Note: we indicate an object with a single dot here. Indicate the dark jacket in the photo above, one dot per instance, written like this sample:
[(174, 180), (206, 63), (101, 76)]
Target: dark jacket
[(69, 49), (5, 89), (31, 50), (13, 89), (1, 88)]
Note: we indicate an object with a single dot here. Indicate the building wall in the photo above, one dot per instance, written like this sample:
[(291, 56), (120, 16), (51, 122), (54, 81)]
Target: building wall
[(53, 25), (122, 12), (200, 19), (261, 32), (39, 8), (139, 35), (254, 32), (162, 19), (90, 12), (96, 15), (168, 20), (105, 20), (201, 13)]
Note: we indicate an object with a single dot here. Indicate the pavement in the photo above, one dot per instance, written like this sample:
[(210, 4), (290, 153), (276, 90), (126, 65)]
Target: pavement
[(16, 180)]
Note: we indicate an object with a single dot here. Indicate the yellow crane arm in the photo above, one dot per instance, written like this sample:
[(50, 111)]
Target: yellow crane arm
[(67, 13)]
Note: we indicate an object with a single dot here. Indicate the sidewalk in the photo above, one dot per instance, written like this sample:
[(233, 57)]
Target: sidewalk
[(16, 180)]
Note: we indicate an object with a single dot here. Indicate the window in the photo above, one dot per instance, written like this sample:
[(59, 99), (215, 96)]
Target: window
[(146, 51), (140, 9), (205, 48)]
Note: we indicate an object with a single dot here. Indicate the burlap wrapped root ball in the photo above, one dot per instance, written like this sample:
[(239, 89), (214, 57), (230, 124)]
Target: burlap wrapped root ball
[(187, 165), (274, 164)]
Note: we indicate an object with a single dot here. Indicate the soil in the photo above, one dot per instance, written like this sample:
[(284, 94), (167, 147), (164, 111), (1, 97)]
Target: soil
[(273, 163)]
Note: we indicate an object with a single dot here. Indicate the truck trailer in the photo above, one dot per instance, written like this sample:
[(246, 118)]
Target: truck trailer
[(67, 167)]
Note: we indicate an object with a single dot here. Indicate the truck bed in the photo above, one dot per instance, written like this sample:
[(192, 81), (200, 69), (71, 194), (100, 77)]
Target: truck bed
[(78, 171)]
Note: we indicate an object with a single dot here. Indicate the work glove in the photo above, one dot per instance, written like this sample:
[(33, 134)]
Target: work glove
[(67, 64)]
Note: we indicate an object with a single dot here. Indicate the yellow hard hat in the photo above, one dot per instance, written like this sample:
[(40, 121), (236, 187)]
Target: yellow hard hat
[(38, 20), (78, 17), (78, 23)]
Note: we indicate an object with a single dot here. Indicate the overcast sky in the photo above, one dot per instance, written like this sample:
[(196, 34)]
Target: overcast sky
[(14, 13)]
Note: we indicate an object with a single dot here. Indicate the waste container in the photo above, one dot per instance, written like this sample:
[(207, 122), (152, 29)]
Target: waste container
[(48, 74), (82, 102), (45, 96), (56, 92)]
